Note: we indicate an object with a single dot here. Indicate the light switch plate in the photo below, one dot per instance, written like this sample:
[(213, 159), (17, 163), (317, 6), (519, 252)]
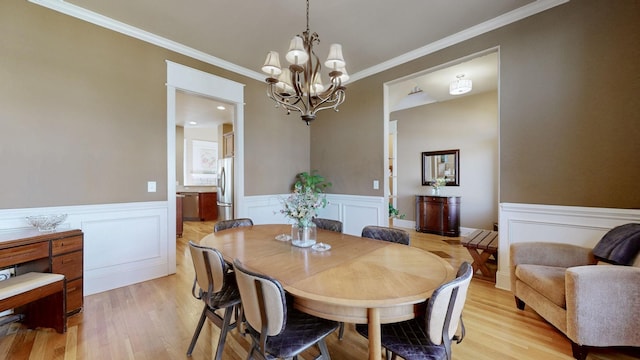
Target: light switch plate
[(376, 185), (151, 186)]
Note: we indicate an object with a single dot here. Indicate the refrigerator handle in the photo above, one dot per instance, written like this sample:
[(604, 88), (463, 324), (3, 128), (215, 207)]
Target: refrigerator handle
[(223, 180)]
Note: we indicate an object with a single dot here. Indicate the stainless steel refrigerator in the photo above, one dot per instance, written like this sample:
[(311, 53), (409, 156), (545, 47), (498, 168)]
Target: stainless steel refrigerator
[(225, 189)]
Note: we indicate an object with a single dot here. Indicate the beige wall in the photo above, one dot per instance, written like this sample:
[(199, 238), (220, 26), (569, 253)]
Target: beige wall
[(83, 116), (469, 124), (83, 113), (569, 123), (276, 146)]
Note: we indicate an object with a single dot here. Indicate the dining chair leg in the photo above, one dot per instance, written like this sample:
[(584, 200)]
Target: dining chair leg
[(254, 349), (241, 324), (324, 351), (390, 355), (223, 331), (203, 317)]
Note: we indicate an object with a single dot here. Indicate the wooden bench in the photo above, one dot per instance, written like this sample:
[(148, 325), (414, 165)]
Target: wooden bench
[(482, 245), (39, 297)]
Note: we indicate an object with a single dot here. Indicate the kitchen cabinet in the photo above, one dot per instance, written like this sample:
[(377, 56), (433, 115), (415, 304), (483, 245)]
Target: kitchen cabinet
[(199, 206), (208, 207), (179, 221), (227, 145), (438, 214)]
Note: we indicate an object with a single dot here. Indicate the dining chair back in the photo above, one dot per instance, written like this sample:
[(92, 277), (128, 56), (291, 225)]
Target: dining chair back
[(276, 329), (233, 223), (386, 234), (328, 224), (430, 336), (217, 288), (331, 225)]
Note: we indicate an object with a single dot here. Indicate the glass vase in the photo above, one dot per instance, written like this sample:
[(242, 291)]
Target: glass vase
[(303, 236)]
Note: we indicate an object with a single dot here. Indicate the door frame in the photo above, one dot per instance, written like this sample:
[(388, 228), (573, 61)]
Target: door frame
[(184, 78)]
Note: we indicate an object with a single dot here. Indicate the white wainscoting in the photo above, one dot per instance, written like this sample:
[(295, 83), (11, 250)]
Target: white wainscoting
[(123, 243), (355, 212), (582, 226)]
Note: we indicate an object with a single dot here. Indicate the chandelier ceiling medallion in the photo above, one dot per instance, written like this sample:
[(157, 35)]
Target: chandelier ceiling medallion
[(299, 87)]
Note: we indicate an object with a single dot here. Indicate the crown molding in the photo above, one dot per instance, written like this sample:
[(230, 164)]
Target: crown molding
[(106, 22), (111, 24), (489, 25)]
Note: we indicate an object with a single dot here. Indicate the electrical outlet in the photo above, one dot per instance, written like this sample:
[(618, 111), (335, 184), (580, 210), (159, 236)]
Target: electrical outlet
[(151, 186), (376, 185)]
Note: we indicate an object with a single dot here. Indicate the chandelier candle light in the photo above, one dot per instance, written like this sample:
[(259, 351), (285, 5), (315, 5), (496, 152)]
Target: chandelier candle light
[(299, 87)]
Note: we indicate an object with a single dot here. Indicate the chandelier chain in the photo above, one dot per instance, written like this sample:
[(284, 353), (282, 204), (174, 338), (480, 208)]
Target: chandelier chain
[(307, 15)]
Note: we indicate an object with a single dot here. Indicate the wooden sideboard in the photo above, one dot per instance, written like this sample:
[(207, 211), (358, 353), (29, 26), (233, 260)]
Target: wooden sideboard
[(58, 252), (438, 214)]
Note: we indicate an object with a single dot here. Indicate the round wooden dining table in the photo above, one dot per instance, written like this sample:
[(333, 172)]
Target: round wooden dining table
[(358, 280)]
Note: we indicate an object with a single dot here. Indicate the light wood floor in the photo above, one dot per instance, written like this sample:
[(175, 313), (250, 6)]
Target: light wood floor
[(155, 320)]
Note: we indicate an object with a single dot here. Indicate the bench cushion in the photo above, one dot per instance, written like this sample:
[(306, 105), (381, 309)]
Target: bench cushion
[(546, 280), (26, 282)]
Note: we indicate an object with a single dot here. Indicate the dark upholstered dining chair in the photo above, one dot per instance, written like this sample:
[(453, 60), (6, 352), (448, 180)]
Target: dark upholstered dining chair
[(331, 225), (276, 329), (233, 223), (386, 234), (328, 224), (430, 336), (217, 289)]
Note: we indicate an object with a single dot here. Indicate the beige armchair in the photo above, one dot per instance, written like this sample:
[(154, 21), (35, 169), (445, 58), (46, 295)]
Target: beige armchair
[(593, 305)]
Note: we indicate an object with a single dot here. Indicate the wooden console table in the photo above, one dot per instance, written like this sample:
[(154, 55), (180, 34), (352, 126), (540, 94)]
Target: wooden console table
[(438, 214), (58, 252)]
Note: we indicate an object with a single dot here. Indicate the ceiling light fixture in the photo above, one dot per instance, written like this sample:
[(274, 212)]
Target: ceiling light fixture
[(460, 86), (416, 97), (220, 107), (299, 87)]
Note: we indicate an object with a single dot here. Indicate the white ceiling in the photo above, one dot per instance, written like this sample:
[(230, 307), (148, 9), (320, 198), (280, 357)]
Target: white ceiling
[(481, 70), (375, 34), (371, 31), (203, 111)]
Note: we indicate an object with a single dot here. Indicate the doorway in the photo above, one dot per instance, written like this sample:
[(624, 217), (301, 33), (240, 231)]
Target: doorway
[(183, 78), (468, 122)]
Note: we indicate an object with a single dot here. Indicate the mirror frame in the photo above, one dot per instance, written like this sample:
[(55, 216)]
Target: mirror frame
[(426, 178)]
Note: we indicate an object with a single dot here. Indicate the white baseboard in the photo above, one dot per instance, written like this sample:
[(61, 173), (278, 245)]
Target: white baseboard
[(582, 226), (411, 224), (123, 243)]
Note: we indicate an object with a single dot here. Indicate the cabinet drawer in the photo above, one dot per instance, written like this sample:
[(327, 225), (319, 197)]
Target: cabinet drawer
[(24, 253), (65, 245), (70, 265), (74, 295)]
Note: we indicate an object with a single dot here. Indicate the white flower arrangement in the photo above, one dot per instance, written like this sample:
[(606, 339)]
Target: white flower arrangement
[(302, 205), (438, 183)]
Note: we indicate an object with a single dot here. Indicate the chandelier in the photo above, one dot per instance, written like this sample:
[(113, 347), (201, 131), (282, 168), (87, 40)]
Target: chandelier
[(299, 87)]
